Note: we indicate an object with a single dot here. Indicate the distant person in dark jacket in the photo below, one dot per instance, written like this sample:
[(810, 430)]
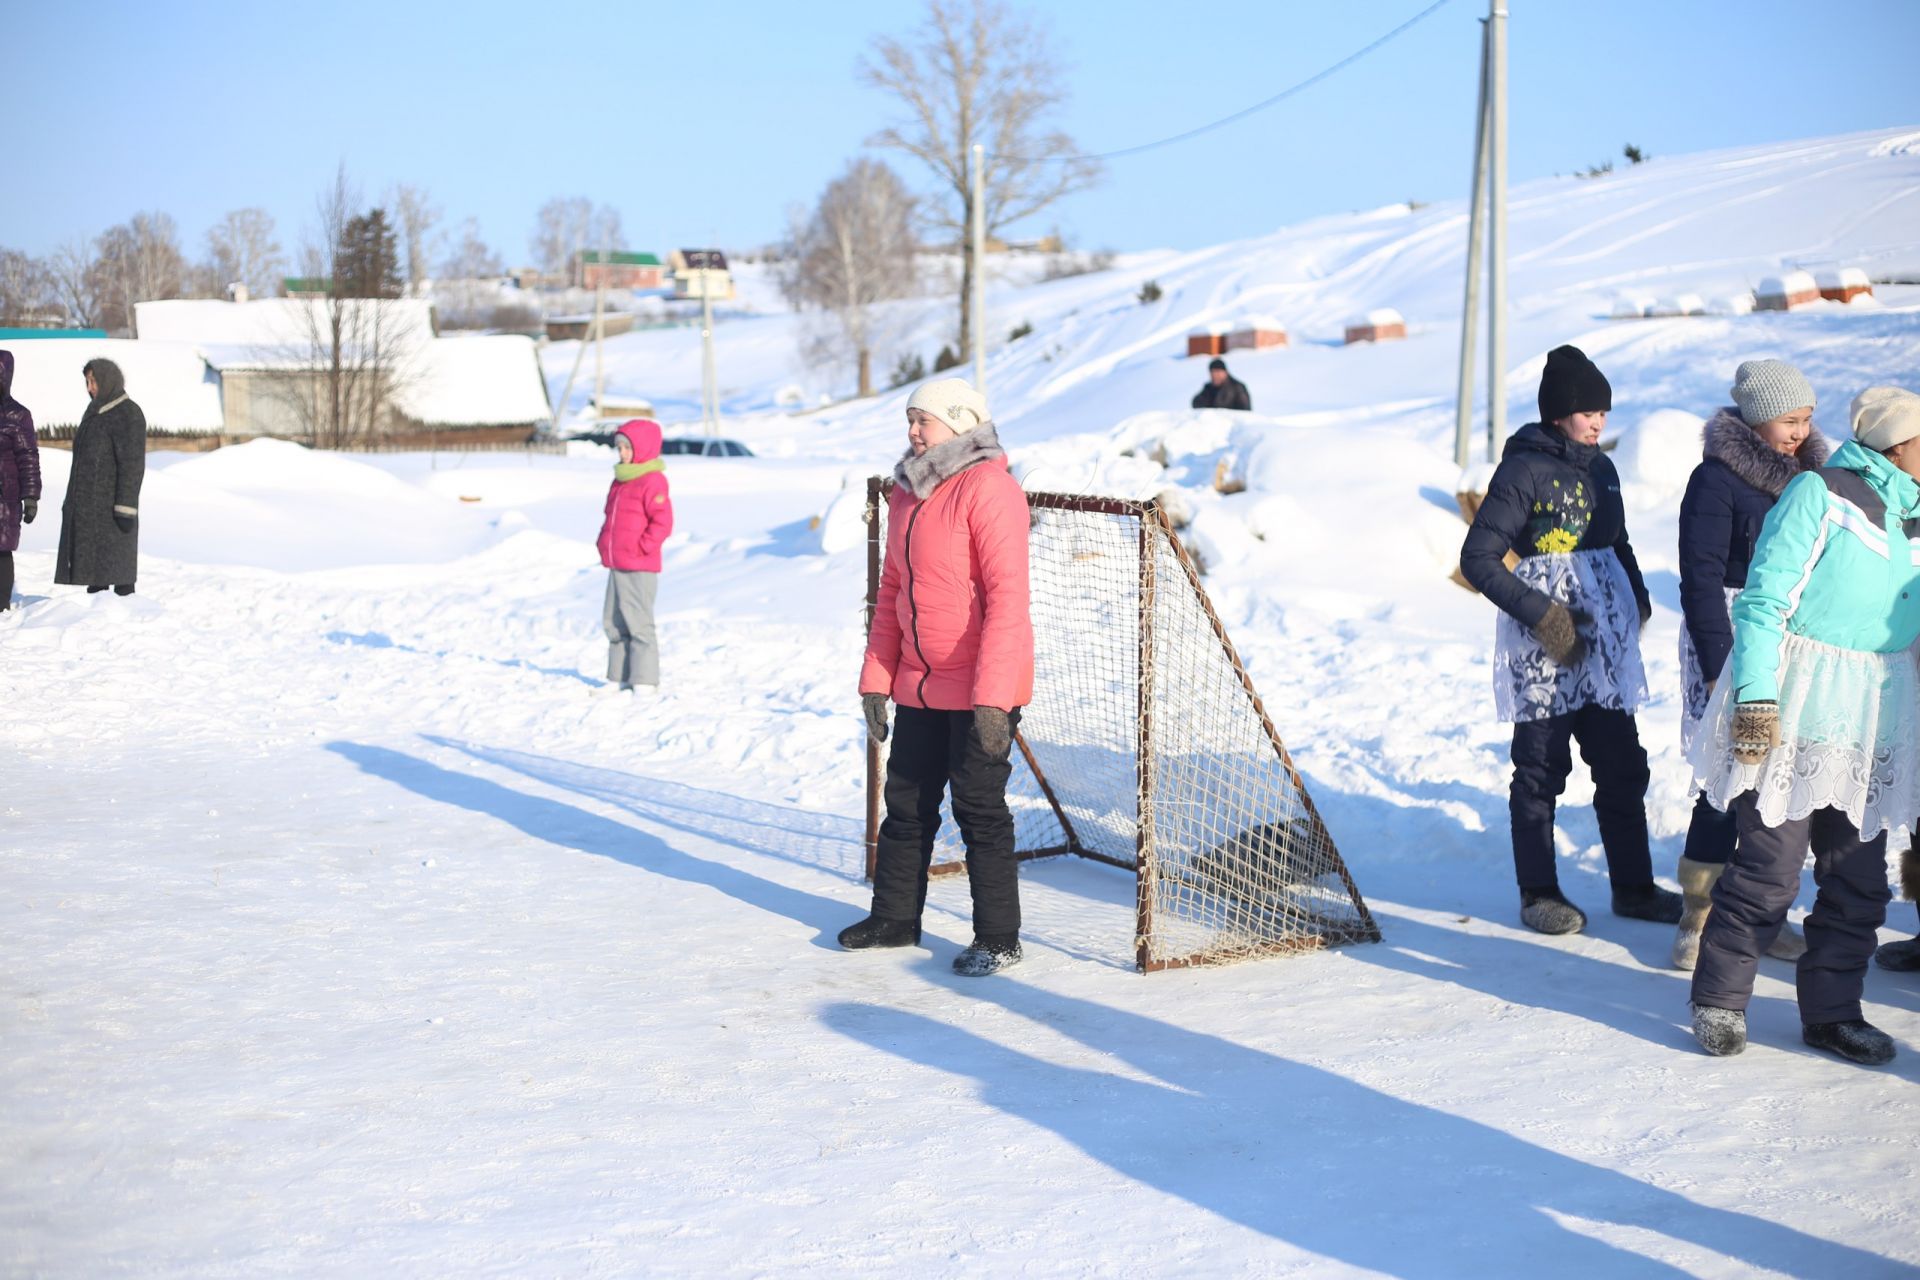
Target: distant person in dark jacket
[(1567, 656), (19, 475), (1223, 390), (1753, 447), (99, 522)]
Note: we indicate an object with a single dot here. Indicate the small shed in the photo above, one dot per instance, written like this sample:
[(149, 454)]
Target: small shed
[(1209, 339), (701, 273), (1632, 306), (1731, 304), (1844, 284), (1254, 332), (1383, 324), (1784, 293), (617, 270), (1681, 304)]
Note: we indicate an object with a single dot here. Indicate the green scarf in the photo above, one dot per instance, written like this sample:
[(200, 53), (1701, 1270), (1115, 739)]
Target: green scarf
[(625, 471)]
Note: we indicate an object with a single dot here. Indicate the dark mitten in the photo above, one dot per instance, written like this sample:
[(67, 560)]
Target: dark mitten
[(125, 522), (1557, 634), (29, 509), (874, 707), (1646, 614), (1756, 731), (994, 728)]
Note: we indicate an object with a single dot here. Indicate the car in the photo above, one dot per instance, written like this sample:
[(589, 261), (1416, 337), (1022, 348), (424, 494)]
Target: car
[(705, 447)]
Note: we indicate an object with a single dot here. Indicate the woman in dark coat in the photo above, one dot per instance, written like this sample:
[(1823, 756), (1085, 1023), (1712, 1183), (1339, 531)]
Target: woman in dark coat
[(1753, 447), (99, 522), (1567, 657), (19, 475)]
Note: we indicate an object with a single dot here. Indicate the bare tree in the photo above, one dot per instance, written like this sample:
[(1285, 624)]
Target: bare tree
[(471, 259), (27, 292), (566, 226), (71, 265), (465, 292), (854, 251), (417, 219), (137, 261), (241, 249), (975, 72)]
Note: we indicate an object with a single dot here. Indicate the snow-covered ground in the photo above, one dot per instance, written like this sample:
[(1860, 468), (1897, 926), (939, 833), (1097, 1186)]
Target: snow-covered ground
[(346, 930)]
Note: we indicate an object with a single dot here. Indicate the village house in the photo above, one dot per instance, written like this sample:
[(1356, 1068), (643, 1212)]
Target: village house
[(617, 270)]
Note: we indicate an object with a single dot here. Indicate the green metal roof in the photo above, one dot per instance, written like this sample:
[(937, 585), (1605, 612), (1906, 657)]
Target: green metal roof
[(14, 335), (305, 284), (619, 259)]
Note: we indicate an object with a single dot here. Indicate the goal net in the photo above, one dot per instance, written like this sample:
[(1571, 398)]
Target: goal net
[(1146, 747)]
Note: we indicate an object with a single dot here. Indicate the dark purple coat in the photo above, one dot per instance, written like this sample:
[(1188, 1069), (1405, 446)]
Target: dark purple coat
[(19, 458)]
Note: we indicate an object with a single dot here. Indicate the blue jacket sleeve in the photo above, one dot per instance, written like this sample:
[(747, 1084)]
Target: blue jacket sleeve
[(1790, 545), (1706, 535), (1500, 521)]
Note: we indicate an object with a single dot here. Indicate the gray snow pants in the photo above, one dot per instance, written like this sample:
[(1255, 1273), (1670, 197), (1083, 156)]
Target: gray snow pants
[(1752, 896), (633, 651)]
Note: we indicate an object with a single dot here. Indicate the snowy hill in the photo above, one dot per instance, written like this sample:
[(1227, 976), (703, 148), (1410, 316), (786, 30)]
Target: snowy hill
[(349, 931)]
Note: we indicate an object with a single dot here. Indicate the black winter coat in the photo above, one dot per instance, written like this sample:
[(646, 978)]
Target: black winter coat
[(1728, 497), (109, 462), (1231, 394), (1548, 494)]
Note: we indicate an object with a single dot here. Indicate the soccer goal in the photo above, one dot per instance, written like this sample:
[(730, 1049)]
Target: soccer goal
[(1147, 748)]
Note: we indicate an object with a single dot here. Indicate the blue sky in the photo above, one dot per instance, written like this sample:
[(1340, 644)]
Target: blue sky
[(706, 122)]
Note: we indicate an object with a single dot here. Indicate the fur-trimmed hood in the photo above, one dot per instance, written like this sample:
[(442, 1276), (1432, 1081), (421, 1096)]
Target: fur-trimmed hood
[(1730, 441), (922, 475)]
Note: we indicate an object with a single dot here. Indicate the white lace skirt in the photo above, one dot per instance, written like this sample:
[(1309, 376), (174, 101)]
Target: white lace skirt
[(1848, 740), (1693, 681), (1528, 685)]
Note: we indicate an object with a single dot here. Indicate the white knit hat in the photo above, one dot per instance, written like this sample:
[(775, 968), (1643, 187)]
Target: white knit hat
[(952, 401), (1767, 389), (1883, 417)]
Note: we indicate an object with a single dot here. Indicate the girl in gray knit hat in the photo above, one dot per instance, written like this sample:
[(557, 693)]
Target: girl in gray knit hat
[(1753, 447)]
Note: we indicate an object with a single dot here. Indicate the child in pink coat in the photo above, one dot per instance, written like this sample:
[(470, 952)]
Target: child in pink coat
[(639, 518)]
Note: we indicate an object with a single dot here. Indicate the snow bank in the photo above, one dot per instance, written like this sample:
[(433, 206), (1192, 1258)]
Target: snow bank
[(1658, 453)]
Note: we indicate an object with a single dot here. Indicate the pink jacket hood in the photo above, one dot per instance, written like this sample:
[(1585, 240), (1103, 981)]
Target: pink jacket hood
[(644, 435)]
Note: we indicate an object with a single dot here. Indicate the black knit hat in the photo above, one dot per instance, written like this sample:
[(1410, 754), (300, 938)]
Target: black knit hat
[(1217, 363), (1572, 384)]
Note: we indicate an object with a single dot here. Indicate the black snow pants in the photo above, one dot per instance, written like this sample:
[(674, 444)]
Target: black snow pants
[(1542, 760), (1710, 834), (6, 579), (1751, 898), (933, 750)]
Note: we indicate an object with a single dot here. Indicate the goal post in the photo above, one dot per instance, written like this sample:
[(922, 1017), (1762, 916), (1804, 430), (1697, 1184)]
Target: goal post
[(1146, 747)]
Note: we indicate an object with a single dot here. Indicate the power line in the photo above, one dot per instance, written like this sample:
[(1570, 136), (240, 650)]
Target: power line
[(1284, 94)]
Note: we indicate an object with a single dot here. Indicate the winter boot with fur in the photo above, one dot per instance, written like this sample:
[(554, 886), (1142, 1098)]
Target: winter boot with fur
[(874, 932), (1788, 944), (1546, 911), (1721, 1032), (1647, 902), (1904, 957), (1696, 891), (987, 955), (1854, 1040)]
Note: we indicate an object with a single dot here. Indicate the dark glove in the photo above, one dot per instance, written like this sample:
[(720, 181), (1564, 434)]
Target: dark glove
[(29, 509), (125, 522), (1756, 731), (995, 730), (874, 707), (1557, 635), (1646, 615)]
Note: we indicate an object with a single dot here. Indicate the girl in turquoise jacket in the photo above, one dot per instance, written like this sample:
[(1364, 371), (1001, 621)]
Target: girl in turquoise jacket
[(1814, 739)]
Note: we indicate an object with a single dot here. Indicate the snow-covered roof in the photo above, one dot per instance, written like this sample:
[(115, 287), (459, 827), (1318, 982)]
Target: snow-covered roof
[(1211, 329), (1629, 306), (168, 380), (1681, 304), (1786, 286), (1843, 278), (491, 380), (278, 324), (1732, 304), (1378, 318), (1259, 322)]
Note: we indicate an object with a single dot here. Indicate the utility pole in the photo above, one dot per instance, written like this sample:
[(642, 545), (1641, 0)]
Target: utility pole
[(1470, 310), (709, 392), (979, 270), (600, 330), (1497, 228)]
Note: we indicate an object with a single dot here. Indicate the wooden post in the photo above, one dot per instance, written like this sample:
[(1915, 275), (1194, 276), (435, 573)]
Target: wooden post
[(874, 484), (1143, 870)]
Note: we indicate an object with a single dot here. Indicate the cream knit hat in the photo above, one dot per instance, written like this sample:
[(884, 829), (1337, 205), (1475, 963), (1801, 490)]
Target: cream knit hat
[(952, 401), (1883, 417)]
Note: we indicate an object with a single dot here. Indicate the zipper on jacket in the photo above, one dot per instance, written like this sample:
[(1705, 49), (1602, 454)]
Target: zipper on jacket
[(913, 608)]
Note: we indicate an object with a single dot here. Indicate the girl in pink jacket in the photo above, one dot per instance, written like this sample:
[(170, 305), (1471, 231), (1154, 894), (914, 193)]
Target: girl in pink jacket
[(639, 518), (952, 647)]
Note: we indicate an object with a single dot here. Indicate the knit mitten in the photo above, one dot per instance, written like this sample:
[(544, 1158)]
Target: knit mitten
[(29, 508), (995, 730), (1557, 635), (874, 707), (1756, 731), (125, 523)]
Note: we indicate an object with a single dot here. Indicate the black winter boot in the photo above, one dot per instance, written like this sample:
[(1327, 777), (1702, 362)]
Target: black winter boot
[(876, 932), (1721, 1032), (1648, 902), (1855, 1040), (1545, 911), (1901, 957), (987, 955)]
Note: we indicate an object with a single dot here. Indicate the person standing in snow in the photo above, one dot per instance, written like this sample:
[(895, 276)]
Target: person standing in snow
[(1904, 956), (1223, 390), (100, 519), (19, 475), (1567, 656), (1753, 448), (639, 517), (952, 646), (1816, 735)]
